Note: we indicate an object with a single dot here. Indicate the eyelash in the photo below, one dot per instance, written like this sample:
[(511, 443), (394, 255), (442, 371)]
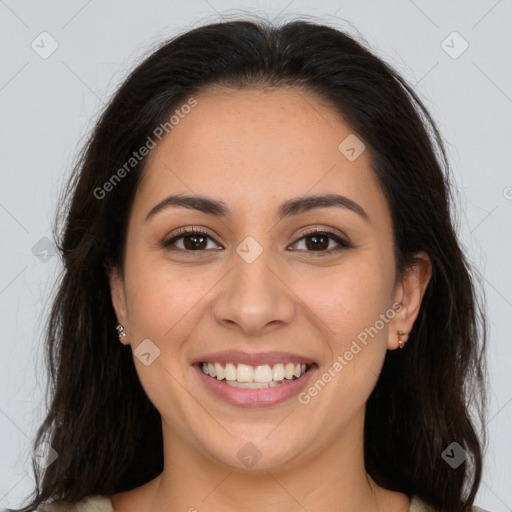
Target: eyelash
[(343, 243)]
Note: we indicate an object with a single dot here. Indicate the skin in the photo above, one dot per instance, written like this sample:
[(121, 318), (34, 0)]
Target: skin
[(253, 150)]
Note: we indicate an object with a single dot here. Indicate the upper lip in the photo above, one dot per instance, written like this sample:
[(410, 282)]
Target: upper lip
[(253, 359)]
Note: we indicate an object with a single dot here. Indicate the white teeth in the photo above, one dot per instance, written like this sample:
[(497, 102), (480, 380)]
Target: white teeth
[(256, 385), (244, 373), (219, 371), (278, 372), (248, 385), (262, 373), (230, 371), (288, 371), (261, 376)]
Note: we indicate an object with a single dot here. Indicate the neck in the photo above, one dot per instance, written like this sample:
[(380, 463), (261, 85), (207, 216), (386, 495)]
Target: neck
[(329, 479)]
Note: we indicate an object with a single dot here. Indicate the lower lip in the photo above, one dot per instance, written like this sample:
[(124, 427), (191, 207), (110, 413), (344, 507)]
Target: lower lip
[(255, 397)]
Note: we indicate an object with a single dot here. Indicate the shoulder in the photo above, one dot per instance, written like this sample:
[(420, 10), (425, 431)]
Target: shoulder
[(418, 505), (90, 504)]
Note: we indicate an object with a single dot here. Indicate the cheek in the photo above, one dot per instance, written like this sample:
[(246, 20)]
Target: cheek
[(164, 307), (351, 309), (348, 299), (166, 302)]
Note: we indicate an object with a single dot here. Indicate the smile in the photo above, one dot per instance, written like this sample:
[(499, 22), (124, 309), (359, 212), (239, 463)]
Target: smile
[(263, 385), (255, 377)]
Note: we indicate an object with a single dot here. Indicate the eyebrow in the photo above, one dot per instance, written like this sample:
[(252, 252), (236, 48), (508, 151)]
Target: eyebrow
[(291, 207)]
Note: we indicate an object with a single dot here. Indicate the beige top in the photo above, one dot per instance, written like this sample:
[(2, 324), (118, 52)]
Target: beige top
[(103, 504)]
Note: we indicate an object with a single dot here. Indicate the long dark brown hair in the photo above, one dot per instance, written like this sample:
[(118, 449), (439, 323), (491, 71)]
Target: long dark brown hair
[(106, 432)]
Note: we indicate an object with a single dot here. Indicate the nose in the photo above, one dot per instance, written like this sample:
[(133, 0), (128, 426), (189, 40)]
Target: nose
[(254, 297)]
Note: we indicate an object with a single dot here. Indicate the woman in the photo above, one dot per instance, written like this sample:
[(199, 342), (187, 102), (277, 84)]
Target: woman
[(262, 219)]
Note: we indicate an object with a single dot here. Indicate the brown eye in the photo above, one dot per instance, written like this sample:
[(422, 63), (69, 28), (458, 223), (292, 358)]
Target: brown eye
[(193, 241), (315, 242), (318, 241)]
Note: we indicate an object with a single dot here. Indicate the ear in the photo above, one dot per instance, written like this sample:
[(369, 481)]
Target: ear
[(118, 295), (409, 292)]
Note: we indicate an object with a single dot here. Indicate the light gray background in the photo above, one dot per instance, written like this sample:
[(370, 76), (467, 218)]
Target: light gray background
[(48, 106)]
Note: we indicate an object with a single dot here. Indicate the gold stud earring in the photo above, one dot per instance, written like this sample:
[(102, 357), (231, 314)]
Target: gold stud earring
[(400, 334)]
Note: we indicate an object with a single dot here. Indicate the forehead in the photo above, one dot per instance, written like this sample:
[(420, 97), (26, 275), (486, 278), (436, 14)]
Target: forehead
[(255, 146)]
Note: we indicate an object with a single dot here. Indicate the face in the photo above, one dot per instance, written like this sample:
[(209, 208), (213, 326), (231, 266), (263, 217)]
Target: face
[(257, 280)]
